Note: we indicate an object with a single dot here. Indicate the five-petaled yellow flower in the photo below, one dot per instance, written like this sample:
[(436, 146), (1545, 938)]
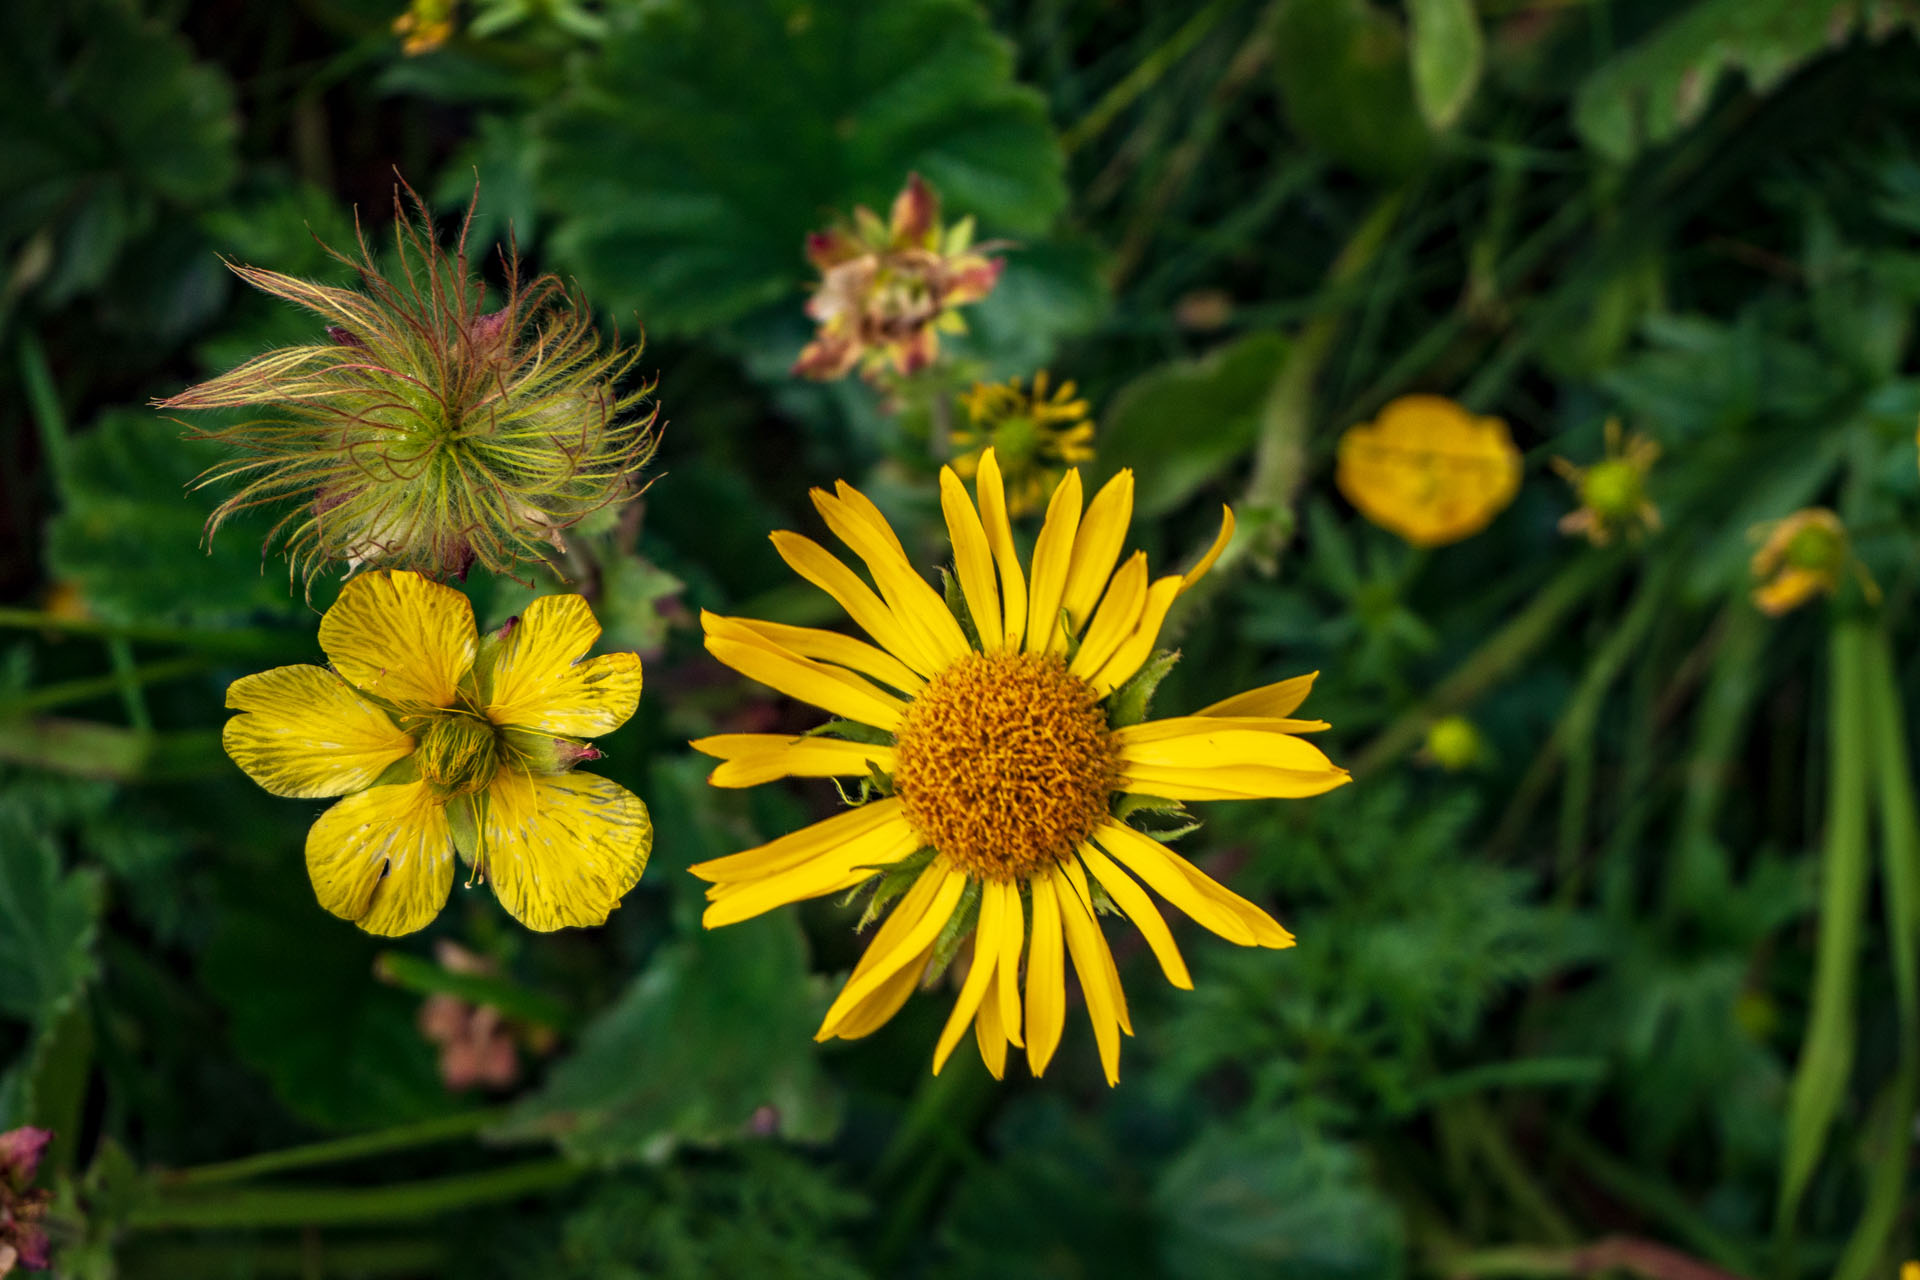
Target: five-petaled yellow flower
[(441, 741), (996, 737), (1428, 470), (1035, 434)]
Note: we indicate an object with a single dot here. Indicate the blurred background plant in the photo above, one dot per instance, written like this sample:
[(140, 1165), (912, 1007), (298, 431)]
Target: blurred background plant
[(1619, 974)]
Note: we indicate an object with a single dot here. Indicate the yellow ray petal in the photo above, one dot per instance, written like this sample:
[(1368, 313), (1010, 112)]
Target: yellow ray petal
[(830, 872), (539, 680), (306, 733), (400, 637), (1154, 863), (870, 513), (993, 517), (796, 847), (1204, 742), (827, 687), (1103, 531), (878, 1009), (1190, 726), (1012, 931), (986, 960), (1267, 931), (885, 964), (1077, 876), (1090, 962), (1114, 621), (1134, 651), (972, 558), (869, 612), (1276, 700), (913, 602), (383, 858), (811, 648), (1046, 978), (991, 1035), (1229, 782), (1052, 557), (562, 849), (754, 758), (1220, 542), (841, 650), (1133, 900)]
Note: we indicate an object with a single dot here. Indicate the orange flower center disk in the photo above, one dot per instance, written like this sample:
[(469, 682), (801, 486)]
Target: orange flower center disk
[(1005, 764)]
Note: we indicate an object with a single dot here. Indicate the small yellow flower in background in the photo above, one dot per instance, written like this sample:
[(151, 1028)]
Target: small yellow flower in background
[(999, 775), (1910, 1271), (1613, 491), (1454, 743), (1428, 470), (425, 26), (1802, 556), (888, 290), (441, 741), (1036, 435)]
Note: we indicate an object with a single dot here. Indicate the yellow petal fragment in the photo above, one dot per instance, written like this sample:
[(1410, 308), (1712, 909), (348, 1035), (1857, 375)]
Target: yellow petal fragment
[(1134, 651), (539, 680), (1103, 531), (913, 602), (1276, 700), (1229, 782), (1154, 863), (754, 758), (1189, 726), (991, 1035), (838, 869), (869, 612), (1046, 978), (914, 942), (1077, 877), (986, 961), (878, 1009), (1114, 621), (992, 494), (562, 849), (1052, 557), (306, 733), (827, 687), (1266, 930), (870, 513), (1132, 899), (811, 841), (1086, 946), (1220, 542), (1209, 743), (383, 858), (841, 650), (400, 637), (1012, 939), (972, 558)]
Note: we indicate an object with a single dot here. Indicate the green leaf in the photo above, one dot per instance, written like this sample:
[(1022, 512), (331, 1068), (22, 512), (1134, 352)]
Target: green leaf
[(1341, 66), (1183, 425), (130, 539), (1275, 1198), (47, 922), (1447, 57), (1129, 704), (1652, 92), (706, 141)]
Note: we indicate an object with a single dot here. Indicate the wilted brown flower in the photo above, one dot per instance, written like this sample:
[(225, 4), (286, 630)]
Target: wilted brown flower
[(888, 290)]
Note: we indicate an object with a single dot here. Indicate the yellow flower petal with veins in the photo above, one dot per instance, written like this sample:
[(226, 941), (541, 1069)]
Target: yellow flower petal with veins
[(383, 858), (307, 734), (563, 849), (401, 637), (543, 679)]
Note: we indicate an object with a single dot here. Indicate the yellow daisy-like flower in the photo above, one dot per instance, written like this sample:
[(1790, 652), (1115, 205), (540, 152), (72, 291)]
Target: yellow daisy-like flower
[(442, 741), (1036, 435), (1803, 556), (1613, 491), (998, 736), (1428, 470)]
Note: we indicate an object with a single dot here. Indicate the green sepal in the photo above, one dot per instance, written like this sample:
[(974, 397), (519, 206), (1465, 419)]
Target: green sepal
[(1073, 641), (398, 773), (892, 881), (959, 927), (881, 782), (547, 753), (1128, 704), (957, 605), (852, 731), (463, 821), (1180, 821), (485, 658)]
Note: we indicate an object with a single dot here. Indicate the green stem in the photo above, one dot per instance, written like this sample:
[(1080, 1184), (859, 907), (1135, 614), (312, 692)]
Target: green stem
[(421, 1133), (44, 399), (1491, 663), (1522, 1188), (123, 679), (126, 678), (1651, 1196), (1145, 74), (251, 642), (353, 1206)]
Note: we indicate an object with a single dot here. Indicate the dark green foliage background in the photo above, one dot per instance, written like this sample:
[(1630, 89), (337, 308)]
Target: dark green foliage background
[(1602, 1001)]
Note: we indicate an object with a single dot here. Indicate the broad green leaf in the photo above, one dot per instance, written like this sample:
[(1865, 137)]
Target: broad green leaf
[(1182, 425), (1650, 93), (47, 921), (131, 539), (1447, 57), (1826, 1052), (1274, 1197), (706, 140), (1342, 70)]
